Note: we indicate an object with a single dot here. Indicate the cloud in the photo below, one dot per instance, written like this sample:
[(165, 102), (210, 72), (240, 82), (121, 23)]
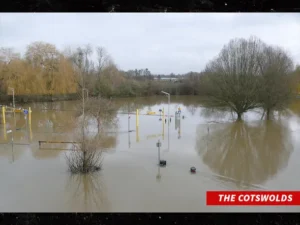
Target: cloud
[(163, 43)]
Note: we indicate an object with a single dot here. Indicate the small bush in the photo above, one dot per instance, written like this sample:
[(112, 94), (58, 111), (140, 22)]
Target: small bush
[(85, 157)]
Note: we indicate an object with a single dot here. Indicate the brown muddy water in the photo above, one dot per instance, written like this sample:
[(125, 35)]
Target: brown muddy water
[(228, 155)]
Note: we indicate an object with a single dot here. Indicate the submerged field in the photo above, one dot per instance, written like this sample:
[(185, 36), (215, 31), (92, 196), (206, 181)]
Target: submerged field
[(253, 154)]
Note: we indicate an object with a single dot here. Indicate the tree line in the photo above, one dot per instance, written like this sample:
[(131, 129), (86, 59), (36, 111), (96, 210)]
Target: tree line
[(246, 74), (44, 70)]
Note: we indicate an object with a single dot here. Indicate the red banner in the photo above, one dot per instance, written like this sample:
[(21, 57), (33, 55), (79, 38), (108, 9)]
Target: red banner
[(253, 198)]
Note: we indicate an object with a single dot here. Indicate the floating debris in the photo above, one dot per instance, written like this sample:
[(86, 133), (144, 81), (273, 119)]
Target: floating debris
[(162, 162), (193, 169)]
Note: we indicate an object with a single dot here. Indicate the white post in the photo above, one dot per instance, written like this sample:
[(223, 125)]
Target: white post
[(158, 144), (128, 118), (168, 117), (13, 91), (14, 106), (169, 122), (12, 145), (129, 126)]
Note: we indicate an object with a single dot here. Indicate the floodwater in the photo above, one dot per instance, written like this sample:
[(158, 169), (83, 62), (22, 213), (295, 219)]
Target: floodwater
[(250, 155)]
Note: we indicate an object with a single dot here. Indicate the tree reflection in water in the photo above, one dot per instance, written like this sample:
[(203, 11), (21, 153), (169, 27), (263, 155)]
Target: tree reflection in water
[(87, 193), (247, 154), (217, 114)]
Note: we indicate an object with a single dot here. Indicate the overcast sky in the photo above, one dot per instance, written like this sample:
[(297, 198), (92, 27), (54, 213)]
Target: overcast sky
[(163, 43)]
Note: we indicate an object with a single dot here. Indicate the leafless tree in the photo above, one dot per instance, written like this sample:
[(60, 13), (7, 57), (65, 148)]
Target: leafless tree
[(103, 110), (85, 156), (82, 63), (8, 54), (275, 87), (232, 78), (103, 60)]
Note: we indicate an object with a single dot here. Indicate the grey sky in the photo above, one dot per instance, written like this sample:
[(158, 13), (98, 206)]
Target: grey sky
[(163, 43)]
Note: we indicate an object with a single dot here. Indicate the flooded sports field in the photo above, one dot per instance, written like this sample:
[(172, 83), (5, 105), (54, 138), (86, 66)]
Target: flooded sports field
[(251, 155)]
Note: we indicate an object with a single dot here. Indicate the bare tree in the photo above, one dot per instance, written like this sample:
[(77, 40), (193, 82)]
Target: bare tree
[(275, 87), (86, 156), (83, 158), (295, 80), (103, 60), (103, 110), (85, 53), (232, 78), (87, 151), (82, 63), (8, 54)]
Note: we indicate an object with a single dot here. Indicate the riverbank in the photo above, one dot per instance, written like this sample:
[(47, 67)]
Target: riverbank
[(20, 99), (38, 98)]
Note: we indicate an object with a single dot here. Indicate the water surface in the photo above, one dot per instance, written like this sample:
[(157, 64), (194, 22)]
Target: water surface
[(250, 155)]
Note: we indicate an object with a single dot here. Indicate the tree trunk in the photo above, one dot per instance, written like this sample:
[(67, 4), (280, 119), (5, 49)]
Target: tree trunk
[(239, 116), (263, 114), (84, 155), (84, 161), (268, 114), (98, 125)]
